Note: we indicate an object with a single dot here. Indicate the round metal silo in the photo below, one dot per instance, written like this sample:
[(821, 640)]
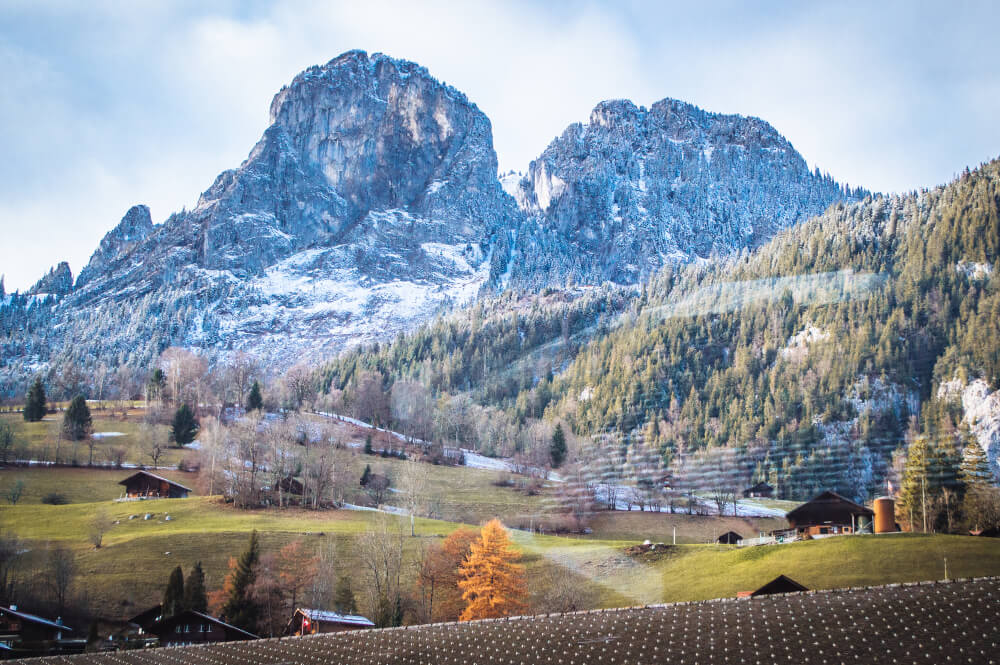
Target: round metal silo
[(885, 514)]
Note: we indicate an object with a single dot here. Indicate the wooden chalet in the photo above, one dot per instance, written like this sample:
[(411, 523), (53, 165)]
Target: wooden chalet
[(729, 538), (190, 627), (144, 620), (310, 622), (829, 514), (146, 485), (760, 490), (18, 626), (779, 584), (25, 634), (290, 485)]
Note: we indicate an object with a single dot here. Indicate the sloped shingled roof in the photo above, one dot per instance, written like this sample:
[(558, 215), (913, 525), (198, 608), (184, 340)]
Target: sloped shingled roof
[(153, 475), (909, 623)]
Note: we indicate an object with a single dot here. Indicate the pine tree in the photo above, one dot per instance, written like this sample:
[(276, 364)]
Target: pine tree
[(195, 595), (240, 608), (173, 595), (184, 427), (366, 475), (368, 446), (343, 599), (492, 580), (35, 407), (255, 402), (77, 421), (557, 449), (975, 468)]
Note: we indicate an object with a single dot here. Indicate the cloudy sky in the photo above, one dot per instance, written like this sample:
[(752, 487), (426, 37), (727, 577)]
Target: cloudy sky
[(107, 104)]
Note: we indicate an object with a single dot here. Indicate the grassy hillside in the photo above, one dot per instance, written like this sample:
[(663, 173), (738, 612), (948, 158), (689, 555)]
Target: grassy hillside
[(78, 485), (128, 572), (40, 441)]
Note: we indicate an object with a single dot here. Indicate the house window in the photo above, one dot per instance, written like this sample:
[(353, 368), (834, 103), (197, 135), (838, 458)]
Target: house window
[(187, 628), (177, 629)]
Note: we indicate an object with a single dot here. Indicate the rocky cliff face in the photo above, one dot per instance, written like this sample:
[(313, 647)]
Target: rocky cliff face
[(372, 201), (635, 189)]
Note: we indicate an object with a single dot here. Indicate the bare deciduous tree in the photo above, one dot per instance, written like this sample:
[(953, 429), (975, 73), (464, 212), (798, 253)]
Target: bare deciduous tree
[(60, 571), (369, 401), (381, 554), (155, 442), (185, 373), (414, 481), (99, 525), (240, 373), (299, 386)]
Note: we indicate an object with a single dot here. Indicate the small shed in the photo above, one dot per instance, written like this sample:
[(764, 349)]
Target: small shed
[(779, 584), (760, 490), (829, 514), (146, 485), (730, 538), (309, 622), (190, 627)]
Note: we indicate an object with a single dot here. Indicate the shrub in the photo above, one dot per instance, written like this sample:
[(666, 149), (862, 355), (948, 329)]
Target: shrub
[(55, 499)]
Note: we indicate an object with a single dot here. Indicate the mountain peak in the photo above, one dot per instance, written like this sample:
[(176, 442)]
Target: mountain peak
[(57, 282)]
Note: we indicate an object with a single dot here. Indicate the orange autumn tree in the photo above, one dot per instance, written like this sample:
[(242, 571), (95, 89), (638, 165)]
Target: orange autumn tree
[(436, 592), (492, 580)]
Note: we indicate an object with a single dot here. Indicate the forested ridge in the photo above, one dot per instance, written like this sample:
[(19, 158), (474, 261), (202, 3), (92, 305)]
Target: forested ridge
[(796, 386)]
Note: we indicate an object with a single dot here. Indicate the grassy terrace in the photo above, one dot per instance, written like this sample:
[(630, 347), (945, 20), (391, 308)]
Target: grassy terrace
[(138, 554), (40, 440)]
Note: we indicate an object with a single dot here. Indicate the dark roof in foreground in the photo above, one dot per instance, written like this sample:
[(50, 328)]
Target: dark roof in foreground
[(929, 622)]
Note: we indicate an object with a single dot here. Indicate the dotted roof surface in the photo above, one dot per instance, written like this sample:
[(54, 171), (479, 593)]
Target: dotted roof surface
[(931, 622)]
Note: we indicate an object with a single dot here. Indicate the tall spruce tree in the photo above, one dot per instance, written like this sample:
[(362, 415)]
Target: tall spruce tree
[(77, 421), (343, 599), (241, 609), (184, 427), (173, 595), (975, 469), (557, 449), (35, 404), (255, 402), (195, 595)]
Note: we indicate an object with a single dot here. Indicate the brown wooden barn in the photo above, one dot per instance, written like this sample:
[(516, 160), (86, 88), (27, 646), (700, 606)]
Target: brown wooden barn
[(290, 485), (146, 485), (309, 622), (729, 538), (829, 514), (190, 627), (761, 490)]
